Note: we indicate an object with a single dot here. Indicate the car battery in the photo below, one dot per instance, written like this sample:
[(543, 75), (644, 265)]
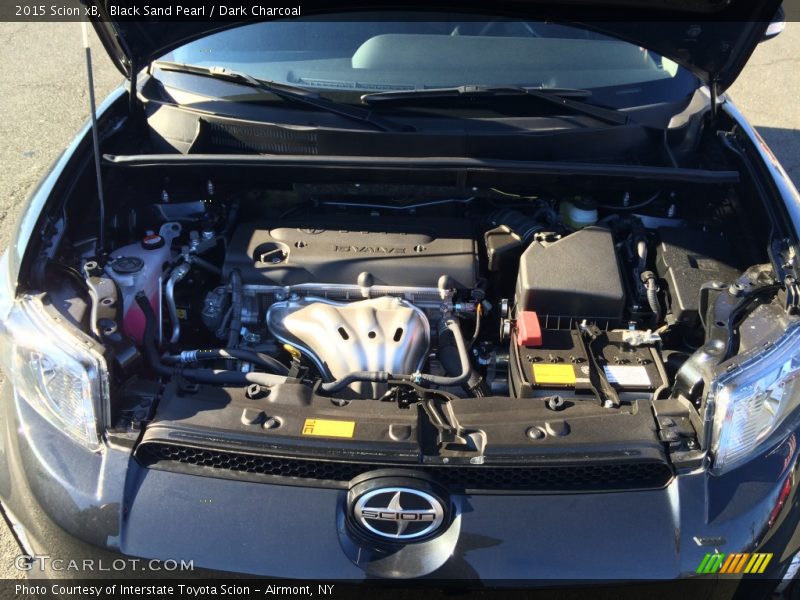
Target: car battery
[(633, 370), (567, 362), (559, 364)]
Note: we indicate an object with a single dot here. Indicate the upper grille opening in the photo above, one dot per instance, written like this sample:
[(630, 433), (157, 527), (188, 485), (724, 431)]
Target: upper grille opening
[(567, 478)]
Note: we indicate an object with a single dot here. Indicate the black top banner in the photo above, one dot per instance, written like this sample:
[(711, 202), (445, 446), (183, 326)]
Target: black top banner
[(243, 10)]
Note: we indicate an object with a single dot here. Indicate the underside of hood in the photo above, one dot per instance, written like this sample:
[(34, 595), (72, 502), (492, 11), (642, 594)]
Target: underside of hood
[(712, 38)]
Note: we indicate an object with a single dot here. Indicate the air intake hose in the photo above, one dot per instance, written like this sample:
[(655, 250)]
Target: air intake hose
[(523, 225)]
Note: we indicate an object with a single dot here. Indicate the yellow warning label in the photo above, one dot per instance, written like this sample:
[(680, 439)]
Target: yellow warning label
[(328, 428), (558, 374)]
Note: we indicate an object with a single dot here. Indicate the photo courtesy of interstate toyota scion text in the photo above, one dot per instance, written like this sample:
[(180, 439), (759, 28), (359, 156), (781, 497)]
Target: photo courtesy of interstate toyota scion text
[(475, 297)]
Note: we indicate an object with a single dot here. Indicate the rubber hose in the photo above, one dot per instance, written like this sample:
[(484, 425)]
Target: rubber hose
[(372, 376), (212, 376), (477, 332), (237, 353), (641, 252), (204, 264), (223, 326), (450, 324), (149, 338), (177, 275), (652, 298), (451, 361), (236, 306), (448, 352)]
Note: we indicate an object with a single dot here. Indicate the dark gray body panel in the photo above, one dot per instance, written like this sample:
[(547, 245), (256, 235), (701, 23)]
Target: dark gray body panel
[(66, 498)]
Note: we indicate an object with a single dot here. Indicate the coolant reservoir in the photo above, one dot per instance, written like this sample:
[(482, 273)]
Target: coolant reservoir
[(137, 267), (579, 212)]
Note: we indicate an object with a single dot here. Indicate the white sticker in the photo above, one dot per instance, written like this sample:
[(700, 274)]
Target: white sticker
[(627, 375)]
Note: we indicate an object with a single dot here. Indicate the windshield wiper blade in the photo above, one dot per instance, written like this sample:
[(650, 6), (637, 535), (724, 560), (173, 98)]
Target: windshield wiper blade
[(555, 96), (287, 92), (470, 90)]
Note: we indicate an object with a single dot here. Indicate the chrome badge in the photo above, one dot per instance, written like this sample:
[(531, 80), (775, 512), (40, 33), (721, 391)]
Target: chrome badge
[(399, 513)]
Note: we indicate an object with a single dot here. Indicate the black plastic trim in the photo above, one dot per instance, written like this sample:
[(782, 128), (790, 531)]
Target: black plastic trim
[(465, 165), (611, 476)]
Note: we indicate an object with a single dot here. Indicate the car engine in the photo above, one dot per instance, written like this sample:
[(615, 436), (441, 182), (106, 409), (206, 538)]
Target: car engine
[(352, 297)]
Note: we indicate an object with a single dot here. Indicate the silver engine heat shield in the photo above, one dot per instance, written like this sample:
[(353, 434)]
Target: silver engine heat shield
[(379, 334)]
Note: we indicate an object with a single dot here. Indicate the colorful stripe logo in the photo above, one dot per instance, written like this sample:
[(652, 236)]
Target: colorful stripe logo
[(735, 563)]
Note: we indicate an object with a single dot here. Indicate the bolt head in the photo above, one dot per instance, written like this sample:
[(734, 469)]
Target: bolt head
[(535, 433)]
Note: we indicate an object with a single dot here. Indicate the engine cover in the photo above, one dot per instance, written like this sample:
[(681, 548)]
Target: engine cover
[(364, 251), (380, 334)]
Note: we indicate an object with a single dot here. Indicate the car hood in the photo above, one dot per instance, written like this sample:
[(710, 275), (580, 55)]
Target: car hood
[(712, 38)]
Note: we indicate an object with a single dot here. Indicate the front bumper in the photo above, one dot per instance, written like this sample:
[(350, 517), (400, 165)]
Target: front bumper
[(74, 505)]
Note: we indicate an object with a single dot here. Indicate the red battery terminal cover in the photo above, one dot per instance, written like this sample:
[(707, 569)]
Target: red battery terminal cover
[(529, 332)]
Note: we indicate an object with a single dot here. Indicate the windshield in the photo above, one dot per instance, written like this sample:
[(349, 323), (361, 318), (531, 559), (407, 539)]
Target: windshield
[(417, 51)]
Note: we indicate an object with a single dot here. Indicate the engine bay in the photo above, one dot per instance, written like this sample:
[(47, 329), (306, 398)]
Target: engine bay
[(435, 324), (550, 293)]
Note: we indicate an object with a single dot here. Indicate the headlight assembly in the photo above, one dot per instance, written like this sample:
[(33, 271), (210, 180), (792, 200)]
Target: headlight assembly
[(58, 374), (752, 403)]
